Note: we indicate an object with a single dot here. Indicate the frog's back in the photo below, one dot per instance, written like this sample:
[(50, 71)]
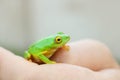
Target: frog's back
[(39, 46)]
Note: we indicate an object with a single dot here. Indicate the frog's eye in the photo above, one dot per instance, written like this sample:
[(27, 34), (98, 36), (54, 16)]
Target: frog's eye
[(58, 39)]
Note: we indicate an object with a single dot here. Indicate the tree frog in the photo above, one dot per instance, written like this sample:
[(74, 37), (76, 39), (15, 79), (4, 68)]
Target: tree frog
[(43, 49)]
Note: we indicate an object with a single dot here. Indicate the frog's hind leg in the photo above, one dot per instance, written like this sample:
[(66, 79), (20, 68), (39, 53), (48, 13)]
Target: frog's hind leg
[(45, 59)]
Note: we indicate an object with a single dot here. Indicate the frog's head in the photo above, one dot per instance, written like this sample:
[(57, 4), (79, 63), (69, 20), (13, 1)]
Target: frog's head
[(60, 39)]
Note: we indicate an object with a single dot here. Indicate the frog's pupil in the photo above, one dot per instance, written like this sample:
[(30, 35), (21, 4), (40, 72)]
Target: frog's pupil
[(59, 39)]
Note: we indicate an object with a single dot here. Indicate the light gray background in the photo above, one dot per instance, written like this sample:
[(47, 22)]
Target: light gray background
[(25, 21)]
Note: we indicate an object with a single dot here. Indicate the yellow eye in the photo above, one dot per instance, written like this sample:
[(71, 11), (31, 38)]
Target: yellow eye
[(58, 39)]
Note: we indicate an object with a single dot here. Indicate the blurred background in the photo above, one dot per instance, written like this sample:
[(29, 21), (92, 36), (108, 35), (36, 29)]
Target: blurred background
[(25, 21)]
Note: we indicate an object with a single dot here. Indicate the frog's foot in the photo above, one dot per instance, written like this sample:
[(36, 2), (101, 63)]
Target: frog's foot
[(51, 62), (30, 60), (66, 47)]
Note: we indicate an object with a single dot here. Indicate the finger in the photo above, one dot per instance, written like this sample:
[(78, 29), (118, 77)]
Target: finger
[(71, 72), (12, 66), (87, 53), (61, 72), (107, 74)]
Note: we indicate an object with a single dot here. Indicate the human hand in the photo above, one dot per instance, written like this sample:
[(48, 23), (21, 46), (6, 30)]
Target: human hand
[(86, 60)]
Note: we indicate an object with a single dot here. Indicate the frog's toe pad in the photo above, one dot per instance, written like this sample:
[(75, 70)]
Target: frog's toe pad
[(66, 47)]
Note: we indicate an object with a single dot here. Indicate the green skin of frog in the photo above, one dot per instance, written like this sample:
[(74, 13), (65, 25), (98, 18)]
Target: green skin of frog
[(43, 49)]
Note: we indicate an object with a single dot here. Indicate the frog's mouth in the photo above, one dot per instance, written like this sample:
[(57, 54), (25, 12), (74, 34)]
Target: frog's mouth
[(65, 47)]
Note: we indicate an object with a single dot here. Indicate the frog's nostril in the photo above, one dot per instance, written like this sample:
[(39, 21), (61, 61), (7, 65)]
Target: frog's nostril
[(68, 37)]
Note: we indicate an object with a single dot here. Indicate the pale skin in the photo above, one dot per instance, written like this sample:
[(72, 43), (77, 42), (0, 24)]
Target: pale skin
[(86, 60)]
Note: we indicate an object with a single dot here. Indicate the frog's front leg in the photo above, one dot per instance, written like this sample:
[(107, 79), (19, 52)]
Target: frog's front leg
[(66, 47), (45, 59)]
